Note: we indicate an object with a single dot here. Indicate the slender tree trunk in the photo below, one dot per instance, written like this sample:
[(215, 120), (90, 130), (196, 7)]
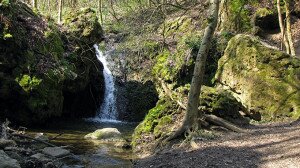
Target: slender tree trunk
[(49, 6), (34, 3), (192, 115), (100, 14), (197, 80), (288, 27), (223, 16), (113, 12), (60, 4), (282, 29)]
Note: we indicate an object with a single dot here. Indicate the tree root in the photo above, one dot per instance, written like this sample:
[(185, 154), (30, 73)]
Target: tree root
[(205, 120), (224, 123)]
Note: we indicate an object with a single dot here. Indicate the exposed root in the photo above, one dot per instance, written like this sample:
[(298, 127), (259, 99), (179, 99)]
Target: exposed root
[(190, 131), (224, 123)]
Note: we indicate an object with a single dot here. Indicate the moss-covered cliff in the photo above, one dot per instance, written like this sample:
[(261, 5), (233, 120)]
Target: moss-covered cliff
[(265, 80), (39, 63)]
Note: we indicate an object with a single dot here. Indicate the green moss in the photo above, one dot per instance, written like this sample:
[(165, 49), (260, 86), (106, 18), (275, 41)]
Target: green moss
[(238, 17), (193, 41), (4, 3), (262, 12), (162, 126), (7, 36), (156, 121), (54, 44), (177, 25), (83, 24), (267, 78), (162, 68), (28, 83)]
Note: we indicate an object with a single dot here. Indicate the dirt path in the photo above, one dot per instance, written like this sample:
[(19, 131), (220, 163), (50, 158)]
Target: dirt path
[(265, 146)]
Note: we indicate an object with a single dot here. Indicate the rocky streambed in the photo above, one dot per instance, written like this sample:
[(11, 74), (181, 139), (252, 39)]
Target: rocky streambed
[(70, 146)]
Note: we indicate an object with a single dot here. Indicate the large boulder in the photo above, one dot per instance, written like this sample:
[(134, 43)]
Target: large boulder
[(265, 80), (45, 73), (7, 162), (110, 134), (83, 94)]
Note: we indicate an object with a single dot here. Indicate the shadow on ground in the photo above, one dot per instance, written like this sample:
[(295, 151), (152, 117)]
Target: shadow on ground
[(275, 145)]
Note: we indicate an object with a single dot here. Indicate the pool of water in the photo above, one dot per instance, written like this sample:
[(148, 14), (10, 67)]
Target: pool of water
[(91, 153)]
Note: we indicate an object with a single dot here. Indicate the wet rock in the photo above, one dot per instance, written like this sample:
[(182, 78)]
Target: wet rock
[(40, 157), (55, 151), (6, 143), (49, 165), (122, 144), (18, 149), (7, 162), (30, 163), (41, 136), (105, 134)]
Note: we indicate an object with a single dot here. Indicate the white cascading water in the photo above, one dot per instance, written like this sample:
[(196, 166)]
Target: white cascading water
[(107, 112)]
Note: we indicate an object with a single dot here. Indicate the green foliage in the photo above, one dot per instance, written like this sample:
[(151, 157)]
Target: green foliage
[(239, 17), (262, 12), (4, 3), (7, 36), (193, 41), (162, 68), (28, 83)]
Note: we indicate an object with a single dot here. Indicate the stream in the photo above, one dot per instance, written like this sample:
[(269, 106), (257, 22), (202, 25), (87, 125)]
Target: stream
[(95, 153), (91, 153)]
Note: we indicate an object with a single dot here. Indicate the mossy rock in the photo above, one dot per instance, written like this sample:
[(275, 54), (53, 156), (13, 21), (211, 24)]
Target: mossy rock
[(84, 92), (83, 26), (165, 116), (37, 64), (110, 134), (158, 122), (265, 80)]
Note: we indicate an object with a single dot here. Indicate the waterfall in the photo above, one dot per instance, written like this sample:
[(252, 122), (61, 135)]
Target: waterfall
[(107, 111)]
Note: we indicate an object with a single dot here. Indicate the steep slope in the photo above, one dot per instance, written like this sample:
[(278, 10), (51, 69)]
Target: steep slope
[(42, 67)]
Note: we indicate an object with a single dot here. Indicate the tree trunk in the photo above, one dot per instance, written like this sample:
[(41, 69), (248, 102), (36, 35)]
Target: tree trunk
[(100, 14), (191, 117), (59, 11), (197, 80), (282, 29), (34, 4), (49, 6), (288, 27)]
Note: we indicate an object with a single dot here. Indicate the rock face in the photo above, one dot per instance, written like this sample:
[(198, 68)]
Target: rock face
[(266, 81), (7, 162), (83, 94), (105, 134), (45, 73), (6, 143), (136, 99), (55, 151)]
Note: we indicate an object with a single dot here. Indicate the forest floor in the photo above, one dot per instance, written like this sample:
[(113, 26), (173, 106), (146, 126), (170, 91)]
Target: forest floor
[(273, 145)]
